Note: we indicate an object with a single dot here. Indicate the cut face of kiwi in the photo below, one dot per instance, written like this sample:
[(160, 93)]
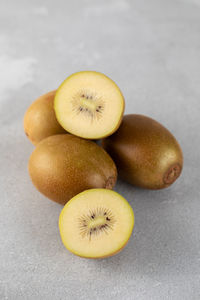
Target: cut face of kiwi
[(96, 223), (89, 104)]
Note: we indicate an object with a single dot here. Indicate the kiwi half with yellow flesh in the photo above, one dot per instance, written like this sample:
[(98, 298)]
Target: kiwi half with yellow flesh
[(40, 119), (64, 165), (89, 104), (145, 152), (96, 223)]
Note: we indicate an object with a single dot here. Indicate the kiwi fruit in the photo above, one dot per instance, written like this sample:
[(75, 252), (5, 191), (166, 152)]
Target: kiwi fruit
[(96, 223), (64, 165), (89, 104), (145, 152), (40, 119)]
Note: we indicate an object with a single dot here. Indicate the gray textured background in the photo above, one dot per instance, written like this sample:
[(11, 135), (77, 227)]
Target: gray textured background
[(151, 48)]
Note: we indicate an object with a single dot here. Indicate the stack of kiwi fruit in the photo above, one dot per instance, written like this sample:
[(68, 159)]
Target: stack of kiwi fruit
[(71, 168)]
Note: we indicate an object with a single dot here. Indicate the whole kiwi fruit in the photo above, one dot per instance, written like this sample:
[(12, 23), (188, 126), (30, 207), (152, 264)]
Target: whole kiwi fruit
[(145, 152), (40, 119), (64, 165)]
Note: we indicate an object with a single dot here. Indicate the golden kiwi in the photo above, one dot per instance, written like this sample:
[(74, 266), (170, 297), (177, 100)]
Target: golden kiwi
[(96, 223), (146, 153), (64, 165), (89, 104), (40, 120)]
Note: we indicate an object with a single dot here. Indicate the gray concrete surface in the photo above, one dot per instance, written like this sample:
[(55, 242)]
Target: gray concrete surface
[(151, 48)]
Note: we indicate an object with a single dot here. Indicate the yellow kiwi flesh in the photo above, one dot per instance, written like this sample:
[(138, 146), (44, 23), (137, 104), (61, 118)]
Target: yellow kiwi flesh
[(145, 152), (96, 223), (89, 104), (40, 119), (62, 166)]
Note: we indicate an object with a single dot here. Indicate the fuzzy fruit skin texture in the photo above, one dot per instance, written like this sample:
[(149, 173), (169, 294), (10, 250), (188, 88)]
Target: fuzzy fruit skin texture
[(145, 152), (62, 166), (40, 119)]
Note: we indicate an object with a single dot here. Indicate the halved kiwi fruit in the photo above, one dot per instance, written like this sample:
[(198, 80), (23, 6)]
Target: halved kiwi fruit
[(96, 223), (89, 104)]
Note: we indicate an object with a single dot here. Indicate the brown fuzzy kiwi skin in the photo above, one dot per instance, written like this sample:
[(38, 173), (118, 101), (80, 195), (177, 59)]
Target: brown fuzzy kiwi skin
[(40, 119), (147, 155), (62, 166)]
